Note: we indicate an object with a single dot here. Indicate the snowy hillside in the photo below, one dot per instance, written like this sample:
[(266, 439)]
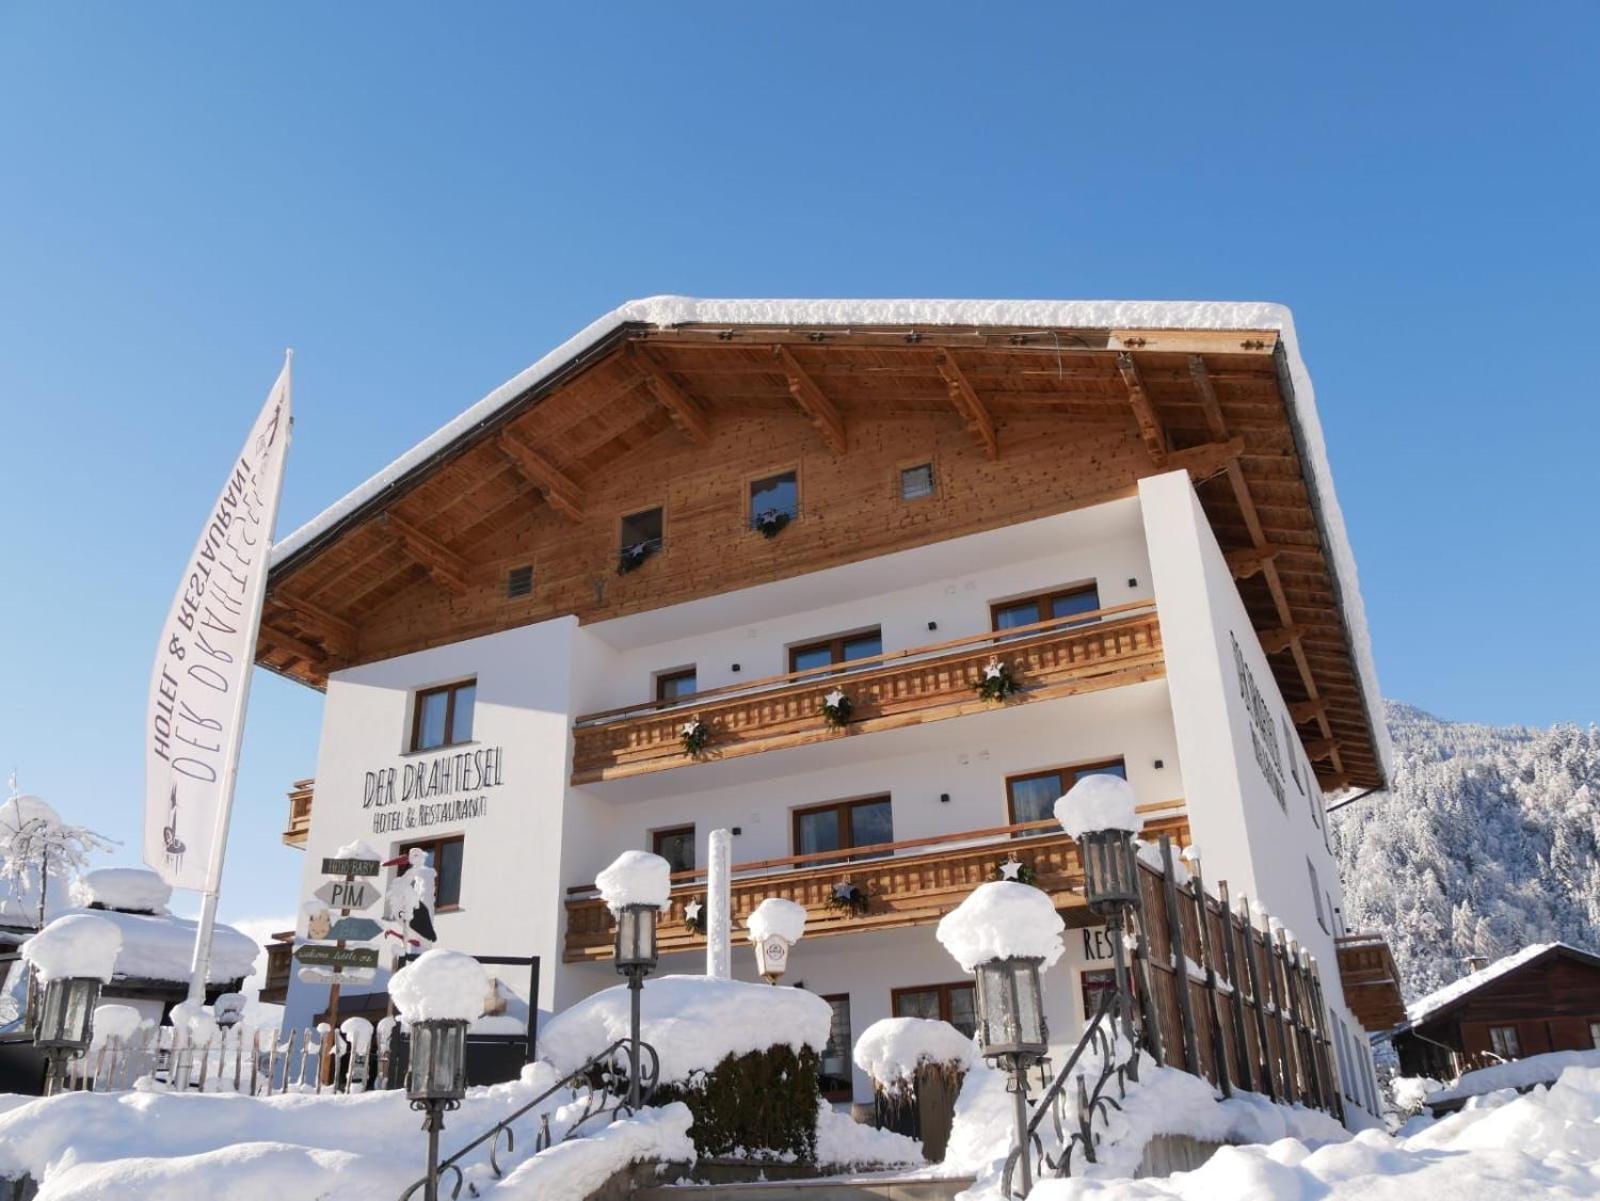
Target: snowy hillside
[(1488, 842)]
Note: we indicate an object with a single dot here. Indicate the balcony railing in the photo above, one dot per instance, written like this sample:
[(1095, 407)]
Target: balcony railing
[(1370, 979), (913, 882), (280, 964), (299, 827), (1080, 653)]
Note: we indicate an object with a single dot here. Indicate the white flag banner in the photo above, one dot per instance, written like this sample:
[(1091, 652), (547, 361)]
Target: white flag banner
[(203, 660)]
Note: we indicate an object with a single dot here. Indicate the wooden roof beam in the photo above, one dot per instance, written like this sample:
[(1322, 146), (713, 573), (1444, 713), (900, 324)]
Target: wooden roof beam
[(968, 404), (1206, 460), (686, 412), (564, 493), (1208, 397), (1246, 563), (812, 401), (1144, 412), (321, 659), (447, 568), (337, 629), (1273, 641), (1303, 711), (1334, 783), (1321, 748)]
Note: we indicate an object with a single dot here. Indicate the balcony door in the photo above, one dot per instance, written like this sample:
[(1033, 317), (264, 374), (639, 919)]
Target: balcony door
[(841, 825), (1030, 610), (1032, 796)]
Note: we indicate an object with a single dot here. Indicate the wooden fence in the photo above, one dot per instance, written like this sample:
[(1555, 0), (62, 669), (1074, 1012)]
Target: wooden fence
[(1224, 999)]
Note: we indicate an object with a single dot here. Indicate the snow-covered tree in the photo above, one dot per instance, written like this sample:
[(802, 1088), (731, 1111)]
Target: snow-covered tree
[(36, 846)]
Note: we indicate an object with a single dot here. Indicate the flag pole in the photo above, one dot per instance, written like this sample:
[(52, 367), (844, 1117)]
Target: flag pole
[(200, 967)]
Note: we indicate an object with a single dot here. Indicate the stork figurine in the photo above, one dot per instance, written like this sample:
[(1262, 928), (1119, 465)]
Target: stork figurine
[(409, 898)]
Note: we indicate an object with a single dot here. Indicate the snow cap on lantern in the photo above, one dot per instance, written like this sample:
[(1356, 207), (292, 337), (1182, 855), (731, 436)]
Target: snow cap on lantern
[(441, 986), (777, 917), (635, 878), (1002, 920), (77, 946), (1098, 802)]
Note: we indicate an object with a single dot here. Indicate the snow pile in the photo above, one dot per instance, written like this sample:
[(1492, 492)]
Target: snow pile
[(1409, 1092), (358, 850), (1098, 802), (229, 1006), (162, 947), (635, 878), (1519, 1073), (357, 1033), (777, 916), (843, 1142), (999, 920), (574, 1170), (892, 1049), (1150, 852), (440, 986), (693, 1022), (1421, 1009), (131, 889), (76, 945), (113, 1021)]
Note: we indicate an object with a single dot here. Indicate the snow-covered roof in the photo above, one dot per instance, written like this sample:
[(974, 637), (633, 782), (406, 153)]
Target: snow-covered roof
[(1425, 1007), (162, 948), (669, 311)]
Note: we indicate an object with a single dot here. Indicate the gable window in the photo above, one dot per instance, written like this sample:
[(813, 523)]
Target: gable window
[(675, 685), (676, 846), (841, 825), (953, 1003), (916, 482), (519, 582), (641, 537), (1504, 1042), (834, 1072), (774, 502), (842, 649), (1048, 606), (443, 716), (1032, 796), (445, 857)]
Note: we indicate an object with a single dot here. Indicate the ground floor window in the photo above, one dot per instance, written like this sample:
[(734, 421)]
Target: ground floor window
[(834, 1074), (1504, 1042), (953, 1003), (676, 846), (445, 856), (1096, 983)]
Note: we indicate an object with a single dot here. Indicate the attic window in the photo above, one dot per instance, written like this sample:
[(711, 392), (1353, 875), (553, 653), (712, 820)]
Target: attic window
[(640, 538), (916, 482), (519, 582)]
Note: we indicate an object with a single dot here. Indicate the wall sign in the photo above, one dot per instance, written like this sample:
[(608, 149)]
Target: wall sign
[(422, 793), (1096, 944), (1263, 726)]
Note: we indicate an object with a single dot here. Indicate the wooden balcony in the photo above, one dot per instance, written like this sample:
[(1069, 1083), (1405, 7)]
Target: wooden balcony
[(280, 963), (1371, 981), (914, 882), (299, 827), (1081, 653)]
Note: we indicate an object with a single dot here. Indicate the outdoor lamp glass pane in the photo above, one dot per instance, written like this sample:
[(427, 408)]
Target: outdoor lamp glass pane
[(1010, 1008), (66, 1013), (438, 1070), (636, 936), (1109, 876)]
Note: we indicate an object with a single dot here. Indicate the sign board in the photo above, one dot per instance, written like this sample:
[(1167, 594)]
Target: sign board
[(321, 955), (350, 867), (355, 929), (348, 894), (332, 975)]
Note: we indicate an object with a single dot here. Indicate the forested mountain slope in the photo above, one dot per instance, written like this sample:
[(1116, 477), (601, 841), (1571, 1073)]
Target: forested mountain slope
[(1489, 840)]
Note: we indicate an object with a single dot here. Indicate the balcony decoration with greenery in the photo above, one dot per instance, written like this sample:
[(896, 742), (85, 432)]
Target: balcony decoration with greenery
[(695, 735), (632, 556), (771, 522), (1012, 868), (849, 897), (997, 684), (694, 915), (836, 709)]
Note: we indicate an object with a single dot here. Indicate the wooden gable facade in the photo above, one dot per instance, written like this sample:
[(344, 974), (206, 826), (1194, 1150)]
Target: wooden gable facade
[(1015, 423)]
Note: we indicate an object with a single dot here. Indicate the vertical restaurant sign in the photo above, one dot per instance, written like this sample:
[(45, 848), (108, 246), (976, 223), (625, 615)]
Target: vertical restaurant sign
[(205, 653)]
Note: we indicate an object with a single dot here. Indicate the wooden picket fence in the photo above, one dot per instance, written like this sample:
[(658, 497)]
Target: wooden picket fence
[(1223, 999), (261, 1063)]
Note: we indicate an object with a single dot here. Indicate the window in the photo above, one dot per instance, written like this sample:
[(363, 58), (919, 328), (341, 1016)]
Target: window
[(1029, 610), (1097, 982), (1504, 1042), (675, 685), (843, 824), (640, 538), (676, 846), (519, 582), (444, 856), (1316, 895), (834, 1072), (1032, 797), (953, 1003), (443, 716), (842, 649), (774, 501), (916, 482)]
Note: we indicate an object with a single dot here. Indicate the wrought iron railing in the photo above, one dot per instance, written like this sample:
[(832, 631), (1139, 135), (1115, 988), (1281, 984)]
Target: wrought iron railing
[(599, 1085)]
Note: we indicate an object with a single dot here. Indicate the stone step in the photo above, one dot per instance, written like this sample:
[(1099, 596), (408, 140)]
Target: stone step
[(823, 1188)]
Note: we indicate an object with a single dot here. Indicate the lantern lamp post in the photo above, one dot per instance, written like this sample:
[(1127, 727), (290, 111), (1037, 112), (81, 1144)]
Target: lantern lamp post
[(1111, 887), (65, 1024), (1012, 1033), (772, 957), (436, 1080), (635, 958)]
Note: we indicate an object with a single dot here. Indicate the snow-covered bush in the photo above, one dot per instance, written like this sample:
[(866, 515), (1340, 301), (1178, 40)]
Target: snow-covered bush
[(36, 848), (892, 1051)]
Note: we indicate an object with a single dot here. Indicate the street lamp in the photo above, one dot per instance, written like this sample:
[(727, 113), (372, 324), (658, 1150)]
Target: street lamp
[(436, 1080), (775, 926), (65, 1024), (1111, 887), (1012, 1033), (636, 958)]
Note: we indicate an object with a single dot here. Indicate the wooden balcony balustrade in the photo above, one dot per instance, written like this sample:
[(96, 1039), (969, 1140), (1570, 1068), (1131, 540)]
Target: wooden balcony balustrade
[(913, 882), (1085, 652), (1371, 980), (299, 827)]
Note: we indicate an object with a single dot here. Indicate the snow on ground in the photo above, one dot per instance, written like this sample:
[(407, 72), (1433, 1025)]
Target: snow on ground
[(775, 915), (999, 920), (440, 986), (134, 888), (572, 1170), (1519, 1073), (693, 1022), (635, 878), (843, 1142), (891, 1049), (1098, 802), (77, 945)]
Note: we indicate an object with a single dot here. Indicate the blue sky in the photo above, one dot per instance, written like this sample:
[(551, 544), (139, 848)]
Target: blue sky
[(422, 199)]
